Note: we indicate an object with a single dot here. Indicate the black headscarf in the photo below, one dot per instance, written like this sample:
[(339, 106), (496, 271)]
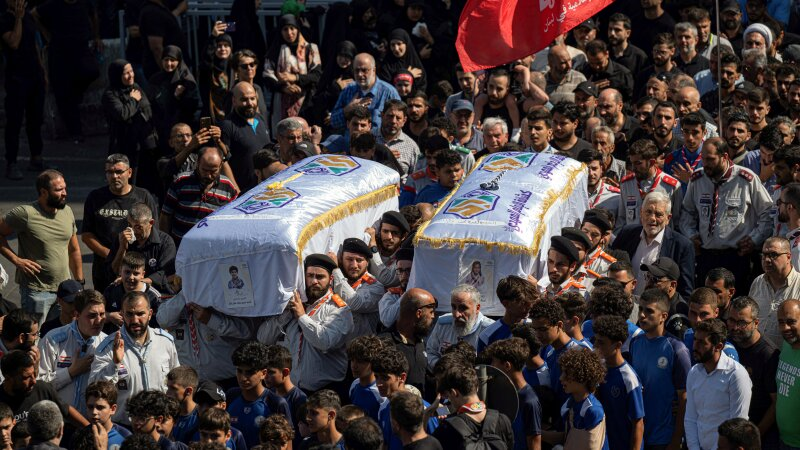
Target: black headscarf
[(115, 70), (275, 48), (332, 70), (248, 34), (182, 72), (392, 64)]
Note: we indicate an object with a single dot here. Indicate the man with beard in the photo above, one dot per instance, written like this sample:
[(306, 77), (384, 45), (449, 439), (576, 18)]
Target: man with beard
[(243, 134), (137, 357), (566, 116), (104, 214), (468, 83), (645, 177), (717, 388), (737, 133), (561, 80), (663, 274), (730, 68), (726, 212), (731, 23), (394, 116), (601, 194), (778, 282), (563, 260), (794, 101), (417, 115), (414, 322), (466, 322), (662, 53), (706, 40), (758, 110), (663, 118), (759, 357), (360, 290), (389, 304), (500, 102), (195, 195), (723, 283), (622, 51), (20, 331), (467, 134), (392, 230), (597, 227), (48, 245), (586, 94), (785, 74), (652, 21), (605, 73), (67, 352), (517, 295), (605, 142), (688, 61), (367, 91), (788, 405), (611, 108)]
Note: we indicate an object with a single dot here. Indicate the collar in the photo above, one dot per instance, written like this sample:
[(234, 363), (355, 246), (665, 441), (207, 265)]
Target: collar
[(658, 239), (73, 328), (725, 364), (793, 234), (129, 340), (373, 91)]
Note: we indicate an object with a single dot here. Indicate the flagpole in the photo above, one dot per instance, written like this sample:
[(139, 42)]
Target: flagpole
[(719, 73)]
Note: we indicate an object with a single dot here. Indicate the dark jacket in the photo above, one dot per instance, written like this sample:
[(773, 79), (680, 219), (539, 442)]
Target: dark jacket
[(674, 246)]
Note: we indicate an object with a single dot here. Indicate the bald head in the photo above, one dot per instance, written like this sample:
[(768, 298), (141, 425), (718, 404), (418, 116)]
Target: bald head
[(414, 299), (610, 95), (243, 88), (789, 322), (245, 100), (210, 155), (364, 71)]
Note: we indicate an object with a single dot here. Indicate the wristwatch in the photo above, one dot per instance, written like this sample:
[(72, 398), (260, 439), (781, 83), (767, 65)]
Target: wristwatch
[(82, 281), (374, 249)]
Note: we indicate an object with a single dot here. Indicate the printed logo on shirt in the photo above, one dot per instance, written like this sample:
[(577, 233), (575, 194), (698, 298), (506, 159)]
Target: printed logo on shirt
[(662, 362), (336, 165), (64, 361), (152, 263), (500, 162), (615, 391), (472, 204), (270, 198)]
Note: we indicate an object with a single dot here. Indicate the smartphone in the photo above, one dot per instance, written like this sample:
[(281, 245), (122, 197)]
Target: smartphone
[(442, 410), (230, 26), (205, 122)]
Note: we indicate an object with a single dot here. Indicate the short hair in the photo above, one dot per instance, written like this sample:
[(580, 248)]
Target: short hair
[(278, 357), (573, 304), (139, 441), (417, 93), (102, 390), (463, 350), (526, 332), (704, 296), (44, 421), (549, 310), (740, 303), (17, 322), (786, 70), (783, 120), (500, 72), (250, 354), (44, 179), (6, 412), (275, 429), (729, 59), (666, 104), (771, 138), (87, 298), (459, 377), (714, 329), (609, 301), (491, 122), (516, 289), (512, 350), (288, 124), (721, 273), (265, 158), (365, 348), (693, 119), (184, 376), (614, 328), (363, 141), (233, 269), (473, 293), (441, 89), (758, 95), (657, 297), (214, 419), (324, 399), (595, 47), (447, 157), (658, 197), (644, 148), (134, 296), (622, 266), (792, 194), (140, 212), (667, 39), (346, 415), (718, 144), (682, 27), (589, 155), (363, 434), (149, 403), (540, 115), (407, 410), (390, 361), (581, 365), (740, 117), (696, 14), (133, 260), (619, 17), (117, 158), (443, 123), (395, 105), (740, 433), (567, 109), (244, 53), (359, 112), (605, 130)]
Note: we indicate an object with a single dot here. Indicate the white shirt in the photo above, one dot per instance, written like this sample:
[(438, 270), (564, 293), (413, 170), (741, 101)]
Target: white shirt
[(645, 254), (444, 335), (794, 244), (712, 398), (769, 299)]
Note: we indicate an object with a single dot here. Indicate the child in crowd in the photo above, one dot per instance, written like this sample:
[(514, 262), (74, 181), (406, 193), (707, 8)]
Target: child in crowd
[(131, 278), (207, 396), (101, 405), (322, 408), (276, 433), (181, 385), (364, 391), (575, 311)]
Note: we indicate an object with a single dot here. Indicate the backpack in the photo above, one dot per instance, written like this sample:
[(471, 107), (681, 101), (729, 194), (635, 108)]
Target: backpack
[(486, 438)]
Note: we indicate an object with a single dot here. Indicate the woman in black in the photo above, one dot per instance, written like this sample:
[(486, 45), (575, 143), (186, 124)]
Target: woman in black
[(334, 78), (403, 56), (174, 93), (216, 73)]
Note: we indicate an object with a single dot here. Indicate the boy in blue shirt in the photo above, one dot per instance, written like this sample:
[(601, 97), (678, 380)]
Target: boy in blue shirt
[(254, 401), (516, 294), (208, 396), (181, 384), (152, 414), (448, 174), (509, 356), (322, 408), (621, 393), (279, 381), (536, 372), (575, 307), (704, 305), (214, 425), (364, 390), (101, 405)]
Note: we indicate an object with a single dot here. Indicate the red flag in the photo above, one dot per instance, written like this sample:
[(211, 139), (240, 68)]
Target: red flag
[(496, 32)]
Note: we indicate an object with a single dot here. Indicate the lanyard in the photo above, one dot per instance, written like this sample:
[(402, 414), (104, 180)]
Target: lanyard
[(686, 159), (598, 195), (656, 181)]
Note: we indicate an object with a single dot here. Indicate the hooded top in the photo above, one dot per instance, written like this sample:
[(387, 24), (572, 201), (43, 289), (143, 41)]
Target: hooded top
[(275, 48), (392, 64), (168, 109), (182, 72)]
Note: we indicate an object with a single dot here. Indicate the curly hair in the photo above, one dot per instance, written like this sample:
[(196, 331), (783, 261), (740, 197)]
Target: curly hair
[(581, 365), (275, 429), (549, 310), (390, 361), (251, 354), (574, 305), (612, 327), (464, 350), (151, 403), (526, 332), (512, 350), (365, 348), (609, 301)]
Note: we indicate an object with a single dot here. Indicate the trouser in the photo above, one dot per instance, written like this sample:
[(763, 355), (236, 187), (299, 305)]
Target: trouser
[(41, 303), (68, 84), (728, 258), (24, 98), (101, 275)]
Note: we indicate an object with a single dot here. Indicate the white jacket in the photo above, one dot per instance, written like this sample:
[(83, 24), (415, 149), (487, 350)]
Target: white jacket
[(444, 335), (389, 308), (361, 300)]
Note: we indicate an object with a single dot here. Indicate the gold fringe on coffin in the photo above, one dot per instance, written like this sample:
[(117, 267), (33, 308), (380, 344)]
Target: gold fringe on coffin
[(504, 247), (337, 213)]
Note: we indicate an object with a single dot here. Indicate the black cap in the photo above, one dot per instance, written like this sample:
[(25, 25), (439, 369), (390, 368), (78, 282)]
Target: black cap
[(589, 24), (396, 219), (209, 393), (588, 87), (564, 246), (744, 87), (404, 254), (577, 235), (597, 219), (320, 260), (729, 5), (303, 147), (68, 289), (663, 267), (356, 245), (791, 54)]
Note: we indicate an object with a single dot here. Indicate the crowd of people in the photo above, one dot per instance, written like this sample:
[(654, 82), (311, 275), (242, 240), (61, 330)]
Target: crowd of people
[(666, 318)]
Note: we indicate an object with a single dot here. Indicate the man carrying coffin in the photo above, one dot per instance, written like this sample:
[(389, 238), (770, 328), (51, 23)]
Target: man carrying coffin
[(562, 259), (356, 286)]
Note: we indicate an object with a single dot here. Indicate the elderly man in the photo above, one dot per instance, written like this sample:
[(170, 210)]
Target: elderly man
[(611, 108), (688, 61), (195, 195), (604, 141), (561, 79), (495, 135), (367, 91), (778, 282), (288, 132), (653, 238), (45, 425), (645, 177), (464, 323), (185, 145), (244, 132), (758, 36)]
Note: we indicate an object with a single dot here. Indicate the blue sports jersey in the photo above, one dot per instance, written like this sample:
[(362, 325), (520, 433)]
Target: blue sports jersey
[(550, 356), (116, 436), (633, 331), (688, 341), (494, 332), (621, 396), (586, 415), (662, 364), (537, 377), (247, 416), (432, 193), (586, 343), (185, 427), (385, 422), (529, 418), (236, 441), (367, 398)]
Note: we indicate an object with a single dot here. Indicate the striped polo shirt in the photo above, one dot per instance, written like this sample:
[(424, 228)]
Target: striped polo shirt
[(187, 204)]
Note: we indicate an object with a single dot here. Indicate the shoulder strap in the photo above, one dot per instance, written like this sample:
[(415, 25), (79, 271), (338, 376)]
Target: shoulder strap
[(460, 426)]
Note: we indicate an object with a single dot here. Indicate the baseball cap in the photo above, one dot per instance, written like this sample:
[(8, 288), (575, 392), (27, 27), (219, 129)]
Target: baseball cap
[(460, 105), (663, 267), (730, 5), (588, 87), (303, 147), (68, 289), (589, 24), (745, 87), (209, 392), (791, 54)]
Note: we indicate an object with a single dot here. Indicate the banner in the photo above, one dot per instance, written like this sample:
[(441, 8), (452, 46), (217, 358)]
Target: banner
[(498, 223), (495, 32), (245, 259)]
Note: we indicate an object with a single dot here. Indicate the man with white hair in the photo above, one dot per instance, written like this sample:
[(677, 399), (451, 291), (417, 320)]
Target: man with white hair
[(45, 425), (688, 61), (603, 140), (465, 323), (495, 135), (653, 238)]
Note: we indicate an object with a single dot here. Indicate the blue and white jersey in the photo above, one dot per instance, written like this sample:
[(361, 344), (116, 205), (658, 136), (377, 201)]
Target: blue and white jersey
[(585, 416), (550, 356), (621, 396), (247, 416), (537, 377), (367, 398), (633, 331), (116, 435), (494, 332), (662, 364), (688, 341)]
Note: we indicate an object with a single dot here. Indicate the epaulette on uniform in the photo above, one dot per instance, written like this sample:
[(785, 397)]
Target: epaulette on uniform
[(670, 180), (697, 174)]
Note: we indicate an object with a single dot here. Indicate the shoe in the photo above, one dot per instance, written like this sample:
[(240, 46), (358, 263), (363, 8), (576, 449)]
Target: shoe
[(13, 172)]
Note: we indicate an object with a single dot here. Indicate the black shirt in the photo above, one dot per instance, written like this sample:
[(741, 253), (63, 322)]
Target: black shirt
[(243, 141), (633, 58), (761, 362), (21, 404), (157, 20), (575, 149), (678, 319), (114, 294), (644, 30), (619, 77), (159, 257), (415, 355), (501, 112), (448, 433), (427, 443), (50, 325), (105, 214), (696, 64), (23, 63)]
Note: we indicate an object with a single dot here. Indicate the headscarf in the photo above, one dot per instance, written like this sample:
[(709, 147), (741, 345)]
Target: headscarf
[(332, 70), (278, 42), (115, 70), (182, 72), (248, 34), (392, 64)]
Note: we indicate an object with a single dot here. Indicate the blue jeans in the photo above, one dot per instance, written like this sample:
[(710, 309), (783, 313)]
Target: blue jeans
[(40, 303)]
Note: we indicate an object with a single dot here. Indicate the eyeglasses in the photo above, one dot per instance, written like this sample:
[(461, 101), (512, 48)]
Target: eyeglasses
[(398, 270), (116, 172), (653, 279), (38, 334), (773, 255), (739, 323), (247, 65)]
